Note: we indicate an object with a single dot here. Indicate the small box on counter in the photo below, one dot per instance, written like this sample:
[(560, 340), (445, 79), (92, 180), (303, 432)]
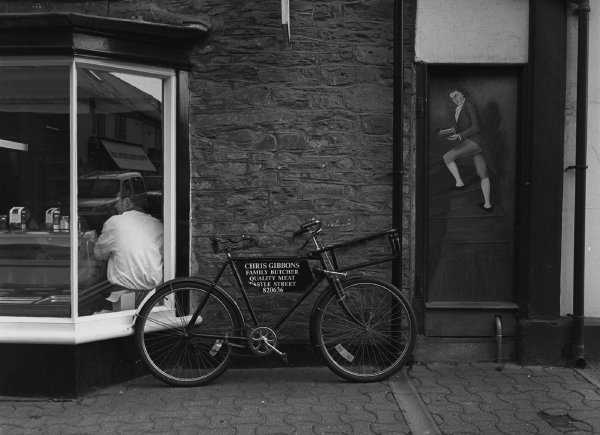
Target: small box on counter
[(17, 218), (122, 300), (50, 217)]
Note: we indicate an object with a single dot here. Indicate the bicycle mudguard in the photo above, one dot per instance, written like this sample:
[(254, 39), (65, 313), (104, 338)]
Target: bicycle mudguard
[(195, 280), (312, 330)]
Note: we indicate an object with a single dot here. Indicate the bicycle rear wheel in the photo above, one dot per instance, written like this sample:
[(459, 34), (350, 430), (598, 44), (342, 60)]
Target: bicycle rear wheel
[(181, 354), (370, 334)]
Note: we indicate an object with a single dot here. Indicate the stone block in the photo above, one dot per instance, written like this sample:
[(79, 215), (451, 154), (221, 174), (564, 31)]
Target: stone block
[(374, 193), (263, 179), (321, 190), (245, 43), (306, 76), (333, 56), (369, 99), (268, 142), (296, 103), (374, 55), (372, 223), (277, 59), (325, 100), (241, 137), (323, 122), (341, 140), (322, 12), (292, 141), (207, 63), (348, 74), (542, 341), (380, 10), (377, 124), (246, 118)]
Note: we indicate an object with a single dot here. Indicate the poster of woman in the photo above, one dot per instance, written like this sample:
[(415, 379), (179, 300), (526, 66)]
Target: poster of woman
[(467, 138), (472, 146)]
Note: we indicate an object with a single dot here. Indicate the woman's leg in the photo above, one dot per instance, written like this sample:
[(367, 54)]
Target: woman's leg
[(464, 149), (453, 168), (481, 167)]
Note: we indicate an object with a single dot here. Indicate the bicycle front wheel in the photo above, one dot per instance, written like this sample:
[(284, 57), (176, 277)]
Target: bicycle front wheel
[(178, 352), (369, 334)]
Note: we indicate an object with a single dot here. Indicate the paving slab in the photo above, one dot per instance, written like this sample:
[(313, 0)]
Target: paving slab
[(475, 398), (493, 399), (242, 401)]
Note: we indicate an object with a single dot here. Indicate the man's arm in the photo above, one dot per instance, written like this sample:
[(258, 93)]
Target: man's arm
[(104, 243)]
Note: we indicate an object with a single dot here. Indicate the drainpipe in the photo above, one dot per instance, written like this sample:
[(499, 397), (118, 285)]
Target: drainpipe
[(580, 184), (398, 129)]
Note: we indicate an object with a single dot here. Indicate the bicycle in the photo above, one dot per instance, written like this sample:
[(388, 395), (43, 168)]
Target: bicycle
[(364, 327)]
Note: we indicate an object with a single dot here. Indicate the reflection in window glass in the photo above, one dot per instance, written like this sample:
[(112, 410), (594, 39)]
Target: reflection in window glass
[(120, 188), (98, 188), (34, 205)]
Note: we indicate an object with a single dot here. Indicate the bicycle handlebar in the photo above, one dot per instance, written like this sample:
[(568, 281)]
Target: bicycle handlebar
[(306, 227)]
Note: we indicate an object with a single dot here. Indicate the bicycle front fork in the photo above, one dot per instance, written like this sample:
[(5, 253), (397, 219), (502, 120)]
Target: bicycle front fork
[(334, 278)]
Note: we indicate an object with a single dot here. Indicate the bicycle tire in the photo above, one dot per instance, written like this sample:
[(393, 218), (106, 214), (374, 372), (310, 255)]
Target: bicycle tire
[(380, 339), (180, 357)]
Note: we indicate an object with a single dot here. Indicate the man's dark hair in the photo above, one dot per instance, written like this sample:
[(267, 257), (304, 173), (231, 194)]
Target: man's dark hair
[(459, 89), (127, 192)]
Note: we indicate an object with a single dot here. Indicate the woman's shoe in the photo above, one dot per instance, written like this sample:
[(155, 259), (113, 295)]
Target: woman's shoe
[(458, 187), (484, 208)]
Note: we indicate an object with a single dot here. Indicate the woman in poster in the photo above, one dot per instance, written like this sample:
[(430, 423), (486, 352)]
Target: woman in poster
[(469, 139)]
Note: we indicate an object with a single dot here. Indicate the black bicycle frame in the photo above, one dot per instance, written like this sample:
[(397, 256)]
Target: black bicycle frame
[(231, 264), (325, 255)]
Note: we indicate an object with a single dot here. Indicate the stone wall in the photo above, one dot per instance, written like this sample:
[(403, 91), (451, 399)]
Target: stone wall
[(281, 133)]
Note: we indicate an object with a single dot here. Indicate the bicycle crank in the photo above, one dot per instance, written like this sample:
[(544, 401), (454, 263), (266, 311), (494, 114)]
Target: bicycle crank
[(263, 342)]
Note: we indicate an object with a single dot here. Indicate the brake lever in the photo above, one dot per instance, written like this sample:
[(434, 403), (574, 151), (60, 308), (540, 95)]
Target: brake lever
[(311, 237)]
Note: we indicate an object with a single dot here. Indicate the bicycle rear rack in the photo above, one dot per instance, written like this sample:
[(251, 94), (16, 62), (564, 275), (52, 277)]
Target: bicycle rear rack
[(393, 236)]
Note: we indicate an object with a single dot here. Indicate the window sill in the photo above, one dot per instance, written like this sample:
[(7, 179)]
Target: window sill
[(66, 331)]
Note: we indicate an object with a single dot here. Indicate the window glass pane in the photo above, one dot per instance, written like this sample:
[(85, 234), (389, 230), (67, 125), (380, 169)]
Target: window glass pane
[(119, 143), (34, 175), (137, 185)]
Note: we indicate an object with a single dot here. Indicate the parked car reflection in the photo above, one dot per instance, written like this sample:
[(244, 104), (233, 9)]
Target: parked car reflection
[(98, 192)]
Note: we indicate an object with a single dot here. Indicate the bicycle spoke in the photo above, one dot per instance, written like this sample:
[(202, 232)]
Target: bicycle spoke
[(377, 346), (178, 352)]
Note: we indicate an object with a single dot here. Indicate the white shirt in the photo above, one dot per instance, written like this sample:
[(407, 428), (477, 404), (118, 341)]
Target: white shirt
[(457, 111), (132, 243)]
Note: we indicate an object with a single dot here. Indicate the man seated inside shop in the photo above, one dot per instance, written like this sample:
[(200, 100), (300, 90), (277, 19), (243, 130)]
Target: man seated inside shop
[(132, 242)]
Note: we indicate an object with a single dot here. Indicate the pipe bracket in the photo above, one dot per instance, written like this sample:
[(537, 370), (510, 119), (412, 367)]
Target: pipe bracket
[(576, 167)]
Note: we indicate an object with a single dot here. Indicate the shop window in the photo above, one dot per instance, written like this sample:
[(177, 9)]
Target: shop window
[(112, 167), (35, 254), (73, 137)]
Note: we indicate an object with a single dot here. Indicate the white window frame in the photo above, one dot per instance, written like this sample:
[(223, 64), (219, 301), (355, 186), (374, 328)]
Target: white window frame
[(75, 329)]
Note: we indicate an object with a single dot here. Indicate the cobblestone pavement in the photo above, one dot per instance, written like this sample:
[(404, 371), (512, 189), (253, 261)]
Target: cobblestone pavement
[(453, 398), (484, 399), (251, 401)]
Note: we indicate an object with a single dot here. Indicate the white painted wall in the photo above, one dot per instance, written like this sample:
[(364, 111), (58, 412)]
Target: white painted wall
[(592, 261), (472, 31)]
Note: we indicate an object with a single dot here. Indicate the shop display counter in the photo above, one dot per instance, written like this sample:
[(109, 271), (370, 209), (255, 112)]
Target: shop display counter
[(35, 274)]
